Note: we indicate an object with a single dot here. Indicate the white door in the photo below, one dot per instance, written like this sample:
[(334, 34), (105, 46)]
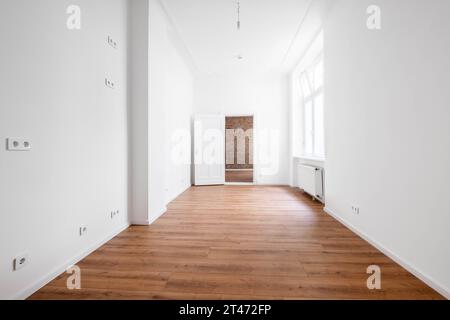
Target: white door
[(209, 149)]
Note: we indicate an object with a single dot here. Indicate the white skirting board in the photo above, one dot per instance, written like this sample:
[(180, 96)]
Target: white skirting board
[(158, 215), (420, 275), (163, 210), (150, 221), (59, 270)]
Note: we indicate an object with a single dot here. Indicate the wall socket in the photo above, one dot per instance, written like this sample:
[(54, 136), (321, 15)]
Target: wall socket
[(20, 262), (110, 84), (355, 209), (15, 144), (112, 42), (114, 214), (83, 230)]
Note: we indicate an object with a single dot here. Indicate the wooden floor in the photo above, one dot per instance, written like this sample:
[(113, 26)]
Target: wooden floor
[(245, 176), (238, 242)]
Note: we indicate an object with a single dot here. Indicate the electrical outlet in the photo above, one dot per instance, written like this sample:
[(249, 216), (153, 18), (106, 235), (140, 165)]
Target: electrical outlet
[(114, 214), (355, 210), (20, 262), (112, 42), (83, 230), (110, 84), (14, 144)]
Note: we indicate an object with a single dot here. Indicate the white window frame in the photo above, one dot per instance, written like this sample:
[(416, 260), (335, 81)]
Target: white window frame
[(305, 100)]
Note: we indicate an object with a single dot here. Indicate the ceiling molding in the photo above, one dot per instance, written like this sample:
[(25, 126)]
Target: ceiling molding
[(300, 26), (188, 52)]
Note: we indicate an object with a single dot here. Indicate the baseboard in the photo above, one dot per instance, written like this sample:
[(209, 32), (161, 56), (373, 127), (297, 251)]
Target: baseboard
[(420, 275), (158, 215), (178, 193), (62, 268), (239, 184), (140, 222)]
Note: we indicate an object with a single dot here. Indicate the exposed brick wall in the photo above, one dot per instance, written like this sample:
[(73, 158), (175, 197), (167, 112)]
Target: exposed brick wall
[(231, 143), (239, 123)]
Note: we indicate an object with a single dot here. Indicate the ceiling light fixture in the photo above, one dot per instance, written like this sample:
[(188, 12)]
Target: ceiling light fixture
[(239, 56), (238, 15)]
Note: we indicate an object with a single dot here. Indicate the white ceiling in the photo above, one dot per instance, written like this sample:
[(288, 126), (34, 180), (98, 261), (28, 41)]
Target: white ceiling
[(208, 29)]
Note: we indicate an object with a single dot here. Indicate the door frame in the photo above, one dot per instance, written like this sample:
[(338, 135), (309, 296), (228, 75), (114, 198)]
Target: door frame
[(255, 171), (193, 147)]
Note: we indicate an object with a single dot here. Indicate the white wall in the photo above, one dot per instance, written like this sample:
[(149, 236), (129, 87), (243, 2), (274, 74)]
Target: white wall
[(179, 108), (266, 96), (169, 80), (387, 128), (138, 110), (157, 90), (171, 105), (52, 92)]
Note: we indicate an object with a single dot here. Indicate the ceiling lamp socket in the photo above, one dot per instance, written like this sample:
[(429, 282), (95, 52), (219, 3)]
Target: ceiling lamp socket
[(238, 24)]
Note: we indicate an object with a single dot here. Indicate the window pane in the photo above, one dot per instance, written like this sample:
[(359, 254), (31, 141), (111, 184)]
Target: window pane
[(297, 128), (298, 88), (306, 88), (319, 144), (310, 74), (308, 128), (318, 75)]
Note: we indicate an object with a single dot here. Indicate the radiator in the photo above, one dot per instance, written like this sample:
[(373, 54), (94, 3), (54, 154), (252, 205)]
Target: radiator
[(310, 179)]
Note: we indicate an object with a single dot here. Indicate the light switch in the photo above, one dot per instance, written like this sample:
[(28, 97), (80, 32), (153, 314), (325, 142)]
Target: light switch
[(15, 144)]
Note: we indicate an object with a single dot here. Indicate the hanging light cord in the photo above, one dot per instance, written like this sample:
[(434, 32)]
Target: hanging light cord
[(238, 15)]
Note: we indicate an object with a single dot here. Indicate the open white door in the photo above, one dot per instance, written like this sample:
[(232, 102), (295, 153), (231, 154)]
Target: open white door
[(209, 149)]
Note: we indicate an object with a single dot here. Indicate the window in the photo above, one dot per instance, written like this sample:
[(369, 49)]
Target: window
[(311, 100), (307, 80)]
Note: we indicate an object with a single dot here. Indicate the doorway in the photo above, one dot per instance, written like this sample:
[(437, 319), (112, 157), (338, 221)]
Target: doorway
[(239, 149)]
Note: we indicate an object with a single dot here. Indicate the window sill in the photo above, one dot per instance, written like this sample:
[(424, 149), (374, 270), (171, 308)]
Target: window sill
[(310, 158)]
